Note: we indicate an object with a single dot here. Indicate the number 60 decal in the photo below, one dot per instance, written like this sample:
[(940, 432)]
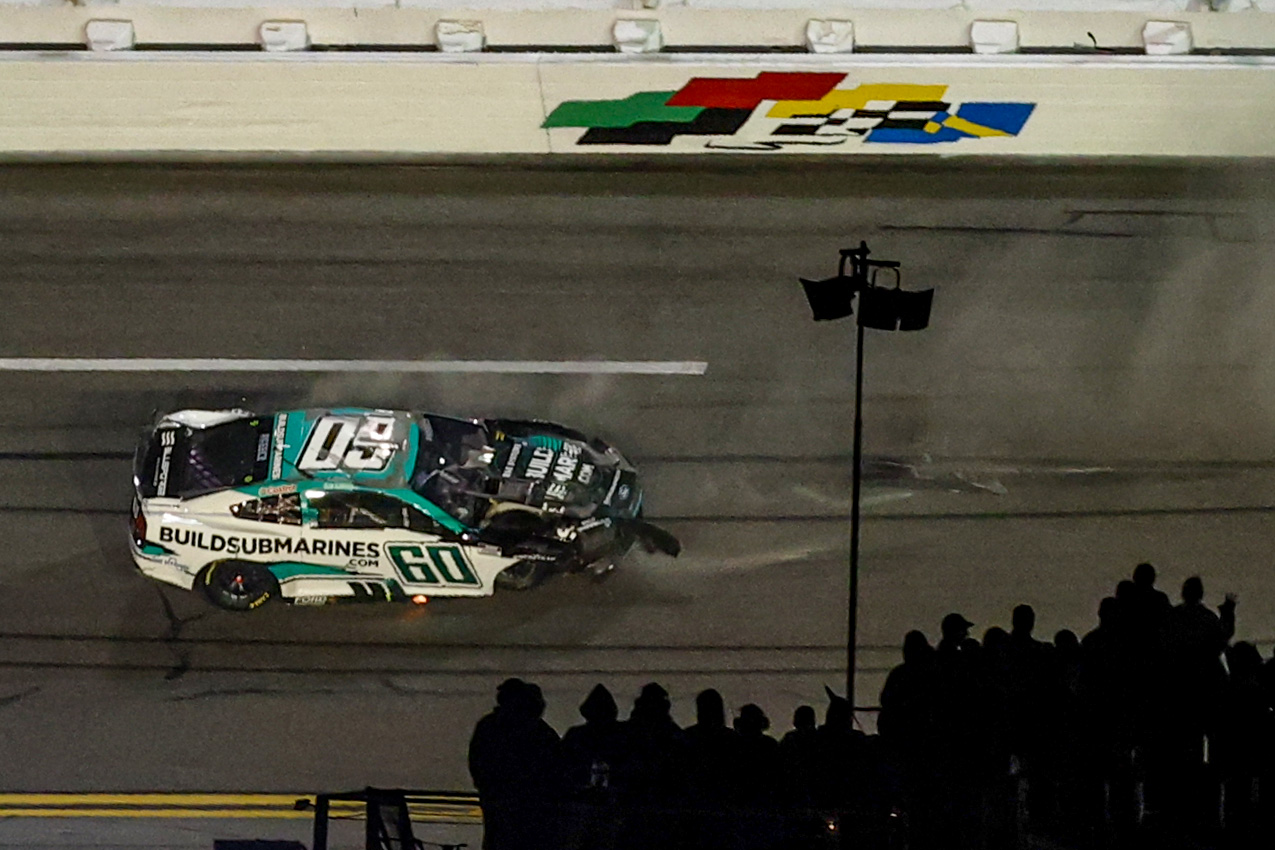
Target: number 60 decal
[(419, 564), (360, 443)]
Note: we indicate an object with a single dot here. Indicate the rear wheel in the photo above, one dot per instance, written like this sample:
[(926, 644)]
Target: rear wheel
[(238, 585), (523, 575)]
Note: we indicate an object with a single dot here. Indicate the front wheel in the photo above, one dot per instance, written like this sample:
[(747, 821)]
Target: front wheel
[(523, 575), (238, 585)]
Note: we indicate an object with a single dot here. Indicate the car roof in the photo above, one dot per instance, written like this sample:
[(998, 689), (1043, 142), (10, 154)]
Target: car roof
[(297, 436)]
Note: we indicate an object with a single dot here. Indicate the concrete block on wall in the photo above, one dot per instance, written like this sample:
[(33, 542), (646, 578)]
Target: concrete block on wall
[(109, 35), (638, 35), (460, 36), (284, 36), (1166, 38), (825, 36), (994, 36)]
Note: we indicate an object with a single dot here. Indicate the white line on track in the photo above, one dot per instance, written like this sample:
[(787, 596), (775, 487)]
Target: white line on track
[(220, 364)]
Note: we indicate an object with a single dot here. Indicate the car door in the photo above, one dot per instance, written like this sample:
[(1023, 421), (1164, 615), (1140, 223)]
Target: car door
[(376, 535)]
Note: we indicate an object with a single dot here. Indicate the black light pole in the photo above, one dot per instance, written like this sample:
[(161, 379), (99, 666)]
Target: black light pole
[(852, 612), (882, 308)]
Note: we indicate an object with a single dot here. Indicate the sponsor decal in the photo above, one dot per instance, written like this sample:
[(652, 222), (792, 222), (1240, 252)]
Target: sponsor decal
[(623, 492), (167, 439), (280, 429), (436, 564), (356, 443), (513, 459), (541, 459), (586, 473), (277, 490), (557, 491), (263, 447), (309, 600), (775, 110), (233, 544), (564, 469)]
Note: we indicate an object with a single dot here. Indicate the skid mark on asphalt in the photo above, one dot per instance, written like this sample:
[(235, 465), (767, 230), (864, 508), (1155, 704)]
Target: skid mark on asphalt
[(20, 695)]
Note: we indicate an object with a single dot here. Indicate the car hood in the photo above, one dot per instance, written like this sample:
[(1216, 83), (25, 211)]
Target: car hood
[(551, 471)]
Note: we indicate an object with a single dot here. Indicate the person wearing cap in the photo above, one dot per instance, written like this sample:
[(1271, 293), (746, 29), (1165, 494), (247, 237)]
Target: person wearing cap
[(961, 739), (955, 630)]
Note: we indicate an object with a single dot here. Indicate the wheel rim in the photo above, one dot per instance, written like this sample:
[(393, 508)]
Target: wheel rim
[(241, 585), (521, 576), (522, 571)]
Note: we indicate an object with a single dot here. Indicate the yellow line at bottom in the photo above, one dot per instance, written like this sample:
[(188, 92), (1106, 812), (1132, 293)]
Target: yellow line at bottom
[(153, 813), (444, 808), (152, 799), (436, 815)]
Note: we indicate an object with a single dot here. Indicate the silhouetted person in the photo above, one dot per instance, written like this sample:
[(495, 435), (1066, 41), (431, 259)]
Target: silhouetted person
[(758, 758), (799, 755), (1067, 656), (1001, 680), (1031, 715), (1028, 707), (712, 773), (958, 683), (909, 703), (1243, 739), (1067, 746), (840, 754), (1105, 662), (514, 763), (655, 776), (1194, 638), (593, 757), (712, 752), (1144, 609), (1112, 720), (1149, 605), (954, 630), (963, 759), (908, 698)]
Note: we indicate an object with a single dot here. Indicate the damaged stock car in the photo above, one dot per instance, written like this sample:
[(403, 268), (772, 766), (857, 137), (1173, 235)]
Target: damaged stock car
[(352, 504)]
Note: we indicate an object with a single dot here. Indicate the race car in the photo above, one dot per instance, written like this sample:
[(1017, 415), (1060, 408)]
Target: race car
[(354, 504)]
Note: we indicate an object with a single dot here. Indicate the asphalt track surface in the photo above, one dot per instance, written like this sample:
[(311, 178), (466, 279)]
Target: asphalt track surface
[(1098, 388)]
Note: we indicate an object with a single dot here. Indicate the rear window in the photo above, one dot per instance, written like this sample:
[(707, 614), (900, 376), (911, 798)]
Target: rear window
[(185, 461)]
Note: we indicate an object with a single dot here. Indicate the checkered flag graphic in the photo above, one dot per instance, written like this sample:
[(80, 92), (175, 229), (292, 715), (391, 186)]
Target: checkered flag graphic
[(877, 115)]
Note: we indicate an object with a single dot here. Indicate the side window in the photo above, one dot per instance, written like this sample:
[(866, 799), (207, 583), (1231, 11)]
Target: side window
[(359, 510), (418, 520), (285, 510)]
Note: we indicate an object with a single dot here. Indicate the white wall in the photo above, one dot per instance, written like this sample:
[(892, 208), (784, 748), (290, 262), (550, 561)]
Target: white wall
[(539, 5), (350, 106), (681, 26)]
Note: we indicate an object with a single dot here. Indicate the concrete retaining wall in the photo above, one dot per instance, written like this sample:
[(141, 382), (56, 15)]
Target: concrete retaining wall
[(86, 104), (682, 26)]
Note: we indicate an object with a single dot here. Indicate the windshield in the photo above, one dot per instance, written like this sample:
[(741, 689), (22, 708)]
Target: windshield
[(451, 466), (185, 461)]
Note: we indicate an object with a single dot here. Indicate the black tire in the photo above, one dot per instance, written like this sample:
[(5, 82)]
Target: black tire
[(238, 585), (523, 575)]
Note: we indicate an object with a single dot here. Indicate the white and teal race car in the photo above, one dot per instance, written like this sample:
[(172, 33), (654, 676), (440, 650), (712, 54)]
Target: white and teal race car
[(352, 504)]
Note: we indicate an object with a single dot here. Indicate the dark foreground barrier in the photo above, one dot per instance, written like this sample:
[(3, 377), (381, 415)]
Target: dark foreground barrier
[(388, 815)]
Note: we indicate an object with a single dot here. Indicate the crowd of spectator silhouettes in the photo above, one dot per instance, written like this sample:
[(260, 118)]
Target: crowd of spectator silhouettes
[(1153, 729)]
